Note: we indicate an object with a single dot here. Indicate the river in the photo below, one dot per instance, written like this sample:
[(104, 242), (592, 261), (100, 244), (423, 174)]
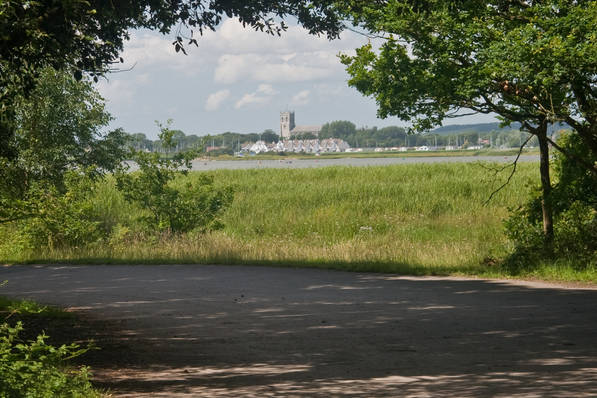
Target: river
[(202, 165)]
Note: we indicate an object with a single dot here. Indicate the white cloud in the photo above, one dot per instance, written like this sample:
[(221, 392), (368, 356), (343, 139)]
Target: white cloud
[(296, 56), (266, 89), (288, 57), (149, 49), (215, 100), (233, 68), (236, 39), (329, 90), (143, 79), (118, 92), (249, 99), (234, 53), (285, 72), (263, 95), (301, 98)]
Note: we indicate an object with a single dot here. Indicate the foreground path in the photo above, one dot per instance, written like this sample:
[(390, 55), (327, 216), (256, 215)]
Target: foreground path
[(227, 331)]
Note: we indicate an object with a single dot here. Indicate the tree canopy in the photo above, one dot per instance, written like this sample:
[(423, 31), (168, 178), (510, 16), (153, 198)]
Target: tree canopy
[(337, 129), (60, 129), (532, 62), (524, 60), (89, 34)]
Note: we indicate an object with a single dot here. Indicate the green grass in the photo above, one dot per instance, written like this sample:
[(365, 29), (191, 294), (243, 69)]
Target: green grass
[(424, 219)]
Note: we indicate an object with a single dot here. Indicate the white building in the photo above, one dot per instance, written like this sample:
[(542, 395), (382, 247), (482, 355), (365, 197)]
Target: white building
[(258, 147), (296, 146)]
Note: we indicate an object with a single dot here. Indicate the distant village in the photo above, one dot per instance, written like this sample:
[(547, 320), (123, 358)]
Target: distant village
[(314, 145), (306, 146), (338, 136)]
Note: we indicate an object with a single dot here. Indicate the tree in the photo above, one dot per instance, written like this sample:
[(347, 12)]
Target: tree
[(390, 136), (338, 129), (59, 129), (270, 135), (178, 140), (439, 57), (139, 142), (304, 136), (574, 199)]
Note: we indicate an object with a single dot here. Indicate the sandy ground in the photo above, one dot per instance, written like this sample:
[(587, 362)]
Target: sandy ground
[(228, 331)]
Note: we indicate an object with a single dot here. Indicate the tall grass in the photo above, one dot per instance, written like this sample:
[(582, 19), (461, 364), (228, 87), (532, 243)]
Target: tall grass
[(424, 218)]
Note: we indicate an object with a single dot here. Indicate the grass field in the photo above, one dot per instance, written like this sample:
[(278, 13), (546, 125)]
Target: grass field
[(414, 219)]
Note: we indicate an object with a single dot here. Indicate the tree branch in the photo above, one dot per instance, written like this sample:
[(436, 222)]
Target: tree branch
[(369, 35), (514, 164)]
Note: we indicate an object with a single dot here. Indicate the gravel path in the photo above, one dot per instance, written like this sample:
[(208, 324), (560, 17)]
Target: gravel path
[(229, 331)]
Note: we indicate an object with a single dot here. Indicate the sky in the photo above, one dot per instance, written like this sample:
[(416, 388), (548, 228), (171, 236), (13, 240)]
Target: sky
[(238, 80)]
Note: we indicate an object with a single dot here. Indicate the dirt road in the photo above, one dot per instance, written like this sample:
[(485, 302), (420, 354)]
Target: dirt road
[(227, 331)]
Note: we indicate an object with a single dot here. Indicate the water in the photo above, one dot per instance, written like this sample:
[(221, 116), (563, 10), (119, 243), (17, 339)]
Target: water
[(201, 165), (205, 165)]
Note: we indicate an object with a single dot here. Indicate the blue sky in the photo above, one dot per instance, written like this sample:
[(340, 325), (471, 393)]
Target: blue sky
[(238, 80)]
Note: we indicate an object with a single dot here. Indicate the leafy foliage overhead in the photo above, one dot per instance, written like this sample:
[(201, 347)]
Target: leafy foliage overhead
[(524, 60), (89, 34)]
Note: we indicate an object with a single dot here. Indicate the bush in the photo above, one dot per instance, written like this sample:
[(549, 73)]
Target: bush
[(576, 230), (574, 201), (36, 369), (172, 208), (61, 218)]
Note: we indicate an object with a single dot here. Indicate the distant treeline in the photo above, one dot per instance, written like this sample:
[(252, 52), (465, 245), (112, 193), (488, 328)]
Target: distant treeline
[(486, 135)]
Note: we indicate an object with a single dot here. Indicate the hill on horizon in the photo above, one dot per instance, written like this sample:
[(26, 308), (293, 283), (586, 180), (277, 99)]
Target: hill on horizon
[(487, 128), (470, 128)]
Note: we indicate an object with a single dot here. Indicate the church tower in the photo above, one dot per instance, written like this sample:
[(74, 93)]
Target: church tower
[(286, 124)]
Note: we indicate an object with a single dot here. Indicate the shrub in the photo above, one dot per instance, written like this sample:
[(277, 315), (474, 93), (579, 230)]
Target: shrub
[(173, 208), (574, 201), (61, 218), (36, 369)]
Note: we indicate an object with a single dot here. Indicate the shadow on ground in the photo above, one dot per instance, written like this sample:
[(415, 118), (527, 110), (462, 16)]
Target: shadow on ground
[(223, 331)]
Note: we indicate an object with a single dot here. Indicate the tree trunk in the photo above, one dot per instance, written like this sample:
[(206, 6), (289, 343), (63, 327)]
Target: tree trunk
[(541, 133)]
